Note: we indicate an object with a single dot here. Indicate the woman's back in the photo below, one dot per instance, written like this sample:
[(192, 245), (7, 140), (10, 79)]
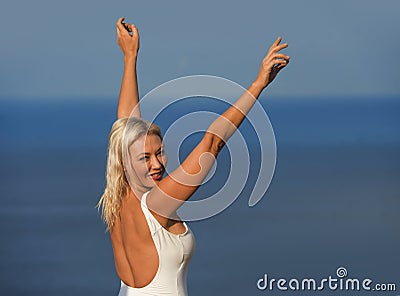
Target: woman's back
[(158, 258)]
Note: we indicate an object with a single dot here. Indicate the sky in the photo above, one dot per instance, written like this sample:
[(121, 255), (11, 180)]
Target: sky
[(67, 49)]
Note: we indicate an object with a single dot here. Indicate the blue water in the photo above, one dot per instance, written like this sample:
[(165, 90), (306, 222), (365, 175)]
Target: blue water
[(333, 201), (297, 121)]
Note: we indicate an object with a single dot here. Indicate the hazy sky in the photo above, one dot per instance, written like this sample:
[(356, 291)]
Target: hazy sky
[(64, 49)]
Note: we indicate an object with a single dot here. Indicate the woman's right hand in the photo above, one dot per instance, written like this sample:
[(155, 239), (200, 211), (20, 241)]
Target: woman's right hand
[(128, 43)]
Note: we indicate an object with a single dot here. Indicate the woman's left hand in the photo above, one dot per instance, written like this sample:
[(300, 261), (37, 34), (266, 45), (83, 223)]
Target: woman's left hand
[(272, 63), (128, 38)]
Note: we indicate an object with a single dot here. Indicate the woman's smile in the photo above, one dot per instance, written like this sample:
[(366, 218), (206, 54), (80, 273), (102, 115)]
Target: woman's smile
[(157, 176)]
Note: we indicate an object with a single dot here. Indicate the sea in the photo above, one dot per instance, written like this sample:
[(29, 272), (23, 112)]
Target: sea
[(330, 214)]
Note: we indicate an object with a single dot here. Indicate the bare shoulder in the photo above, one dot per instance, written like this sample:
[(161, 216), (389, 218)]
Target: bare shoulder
[(132, 222), (130, 209)]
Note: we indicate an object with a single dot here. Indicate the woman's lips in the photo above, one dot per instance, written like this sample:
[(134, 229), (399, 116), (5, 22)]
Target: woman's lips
[(156, 176)]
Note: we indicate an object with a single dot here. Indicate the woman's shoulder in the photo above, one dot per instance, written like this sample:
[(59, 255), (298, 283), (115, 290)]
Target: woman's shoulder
[(130, 206), (132, 220)]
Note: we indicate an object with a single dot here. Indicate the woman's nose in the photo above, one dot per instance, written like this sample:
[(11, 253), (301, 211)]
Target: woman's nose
[(155, 163)]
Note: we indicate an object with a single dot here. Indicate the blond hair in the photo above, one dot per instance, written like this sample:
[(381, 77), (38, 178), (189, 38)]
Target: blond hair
[(124, 132)]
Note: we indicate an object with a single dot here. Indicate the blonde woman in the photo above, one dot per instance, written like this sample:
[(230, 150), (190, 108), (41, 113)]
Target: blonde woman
[(152, 247)]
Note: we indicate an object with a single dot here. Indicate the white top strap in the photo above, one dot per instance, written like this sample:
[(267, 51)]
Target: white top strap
[(154, 225)]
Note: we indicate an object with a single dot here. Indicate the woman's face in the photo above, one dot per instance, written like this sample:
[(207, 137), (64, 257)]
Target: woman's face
[(148, 160)]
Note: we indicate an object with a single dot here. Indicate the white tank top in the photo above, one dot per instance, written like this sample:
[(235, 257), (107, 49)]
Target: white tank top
[(174, 254)]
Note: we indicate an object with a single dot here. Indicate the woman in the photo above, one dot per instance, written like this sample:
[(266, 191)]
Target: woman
[(152, 247)]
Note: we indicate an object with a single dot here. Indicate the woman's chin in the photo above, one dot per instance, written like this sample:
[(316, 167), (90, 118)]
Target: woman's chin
[(150, 182)]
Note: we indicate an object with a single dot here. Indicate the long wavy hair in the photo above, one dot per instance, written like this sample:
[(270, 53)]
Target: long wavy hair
[(124, 132)]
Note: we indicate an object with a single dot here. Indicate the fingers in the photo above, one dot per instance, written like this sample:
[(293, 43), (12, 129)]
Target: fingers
[(134, 29), (280, 63), (275, 58), (277, 61), (280, 56), (281, 66), (119, 25), (126, 28), (277, 41), (281, 46), (123, 28), (120, 20), (276, 46)]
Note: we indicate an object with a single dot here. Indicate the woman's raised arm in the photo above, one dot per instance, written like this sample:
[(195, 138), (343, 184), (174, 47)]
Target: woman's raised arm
[(169, 194), (128, 41)]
